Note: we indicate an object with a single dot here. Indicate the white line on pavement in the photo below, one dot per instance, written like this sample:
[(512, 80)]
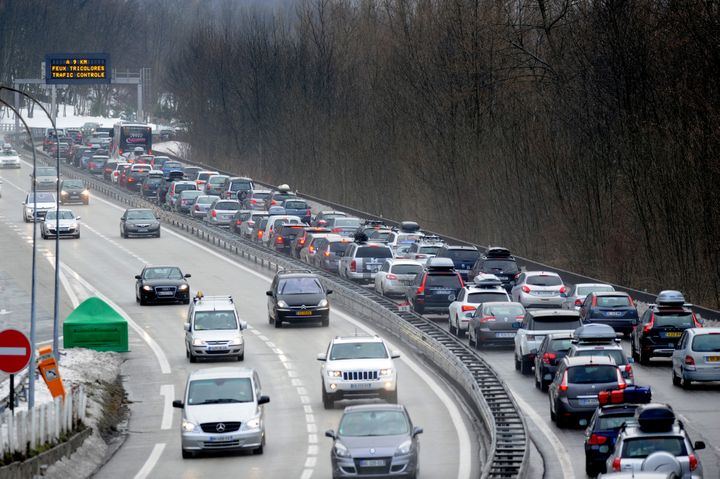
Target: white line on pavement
[(167, 390), (151, 461)]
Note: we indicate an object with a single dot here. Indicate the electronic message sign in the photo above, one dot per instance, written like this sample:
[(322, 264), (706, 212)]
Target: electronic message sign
[(77, 68)]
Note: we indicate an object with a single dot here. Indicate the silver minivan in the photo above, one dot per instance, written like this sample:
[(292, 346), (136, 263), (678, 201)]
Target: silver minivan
[(222, 411), (213, 329)]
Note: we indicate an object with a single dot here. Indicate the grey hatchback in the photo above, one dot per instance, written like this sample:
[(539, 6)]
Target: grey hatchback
[(375, 440)]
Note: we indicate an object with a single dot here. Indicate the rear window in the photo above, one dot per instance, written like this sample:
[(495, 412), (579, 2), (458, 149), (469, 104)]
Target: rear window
[(296, 205), (489, 297), (466, 256), (706, 343), (544, 280), (338, 247), (642, 447), (217, 180), (227, 205), (561, 344), (504, 310), (612, 301), (678, 320), (443, 281), (499, 266), (205, 200), (240, 185), (555, 322), (429, 249), (592, 374), (406, 269), (261, 196), (382, 235), (585, 290), (373, 252), (615, 421), (290, 232), (179, 188), (346, 222), (617, 355)]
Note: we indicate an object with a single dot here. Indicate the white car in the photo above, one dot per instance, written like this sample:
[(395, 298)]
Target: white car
[(9, 158), (486, 289), (65, 220), (36, 207), (539, 289), (358, 367), (396, 275)]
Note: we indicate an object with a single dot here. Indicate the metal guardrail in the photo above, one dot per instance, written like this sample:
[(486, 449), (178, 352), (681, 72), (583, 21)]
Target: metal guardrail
[(508, 449)]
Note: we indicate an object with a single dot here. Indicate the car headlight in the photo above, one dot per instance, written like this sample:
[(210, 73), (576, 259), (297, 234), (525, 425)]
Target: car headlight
[(73, 225), (183, 287), (198, 342), (323, 303), (386, 372), (282, 304), (147, 288), (404, 448), (236, 341), (334, 374), (85, 193), (341, 450), (64, 193), (187, 426), (253, 423)]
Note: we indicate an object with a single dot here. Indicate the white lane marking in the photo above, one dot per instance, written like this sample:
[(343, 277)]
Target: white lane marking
[(464, 453), (151, 461), (156, 349), (115, 243), (306, 474), (167, 390), (562, 452), (65, 283)]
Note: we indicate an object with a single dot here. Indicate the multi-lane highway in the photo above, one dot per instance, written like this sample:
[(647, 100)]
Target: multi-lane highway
[(102, 263)]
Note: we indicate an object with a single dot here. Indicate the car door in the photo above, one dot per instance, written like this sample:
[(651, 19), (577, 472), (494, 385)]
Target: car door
[(553, 387), (189, 328), (678, 355), (271, 299), (520, 337), (515, 291)]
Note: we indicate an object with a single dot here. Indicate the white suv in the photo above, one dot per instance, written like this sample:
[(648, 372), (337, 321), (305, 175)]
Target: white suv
[(213, 329), (358, 367)]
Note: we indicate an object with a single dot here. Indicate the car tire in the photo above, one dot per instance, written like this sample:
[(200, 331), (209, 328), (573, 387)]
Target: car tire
[(452, 329), (538, 383), (192, 357), (419, 309), (187, 454), (326, 322), (259, 450), (553, 416), (241, 356), (525, 366), (186, 300), (685, 383), (471, 342), (517, 363), (643, 359), (270, 319), (460, 333), (77, 236), (590, 469), (158, 234), (328, 401), (675, 379), (143, 301), (278, 323)]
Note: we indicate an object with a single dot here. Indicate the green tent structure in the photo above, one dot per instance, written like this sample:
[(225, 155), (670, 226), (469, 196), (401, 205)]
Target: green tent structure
[(94, 324)]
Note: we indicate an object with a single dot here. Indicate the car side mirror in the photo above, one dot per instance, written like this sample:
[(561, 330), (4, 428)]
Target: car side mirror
[(416, 431), (78, 218), (699, 445), (187, 327), (137, 276), (188, 276), (178, 404), (122, 218), (395, 354), (329, 291), (269, 293), (243, 325), (263, 400), (331, 434), (322, 357)]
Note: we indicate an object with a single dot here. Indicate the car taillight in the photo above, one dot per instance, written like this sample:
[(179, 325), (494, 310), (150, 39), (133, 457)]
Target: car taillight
[(616, 464), (697, 324), (649, 325), (250, 223), (131, 179), (253, 202), (693, 461), (563, 290), (353, 266), (327, 254), (629, 370), (621, 381), (336, 230), (596, 440), (578, 302), (487, 319), (197, 207), (301, 241), (564, 384), (467, 307), (237, 222), (260, 234), (526, 289), (421, 289), (273, 202), (279, 239), (420, 256), (594, 300), (311, 249), (214, 214), (689, 360), (308, 212), (391, 276), (547, 357)]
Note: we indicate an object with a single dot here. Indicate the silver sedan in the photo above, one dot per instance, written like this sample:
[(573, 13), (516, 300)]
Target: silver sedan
[(539, 289), (396, 275)]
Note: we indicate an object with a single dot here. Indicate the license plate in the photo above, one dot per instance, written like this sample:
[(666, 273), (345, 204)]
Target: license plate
[(165, 293), (442, 291), (220, 438), (504, 335), (614, 313), (142, 229), (304, 313), (672, 334), (361, 386), (545, 293), (216, 348), (372, 462), (713, 359), (588, 402)]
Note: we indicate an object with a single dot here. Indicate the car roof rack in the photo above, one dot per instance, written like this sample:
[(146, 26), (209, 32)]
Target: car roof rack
[(497, 252), (199, 296), (655, 417), (670, 298), (439, 264), (484, 280), (595, 334)]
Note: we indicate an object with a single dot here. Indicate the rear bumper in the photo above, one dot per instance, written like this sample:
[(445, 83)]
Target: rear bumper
[(293, 316), (702, 374)]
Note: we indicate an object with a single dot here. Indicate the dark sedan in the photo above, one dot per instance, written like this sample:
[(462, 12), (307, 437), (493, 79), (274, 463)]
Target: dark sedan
[(139, 222), (160, 284), (614, 308), (73, 191), (297, 297)]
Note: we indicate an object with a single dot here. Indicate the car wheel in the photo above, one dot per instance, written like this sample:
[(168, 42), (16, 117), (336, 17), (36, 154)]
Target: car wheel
[(270, 319), (643, 358), (419, 309), (328, 402), (633, 352), (561, 421), (459, 332), (187, 454), (158, 234), (675, 379), (77, 236), (686, 383), (525, 366), (241, 356), (538, 382), (452, 328), (590, 469), (278, 323), (143, 301), (192, 357), (186, 300), (326, 322), (471, 342), (259, 450), (517, 363), (553, 416)]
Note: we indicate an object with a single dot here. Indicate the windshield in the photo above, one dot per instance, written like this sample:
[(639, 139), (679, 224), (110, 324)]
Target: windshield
[(338, 246), (585, 290), (607, 423), (363, 350), (73, 184), (204, 176), (238, 185), (217, 180), (499, 266), (613, 301), (295, 205), (617, 355), (153, 180), (678, 320), (64, 215), (447, 281), (9, 153), (406, 268), (429, 249), (299, 286), (561, 344), (490, 296), (169, 164), (227, 205), (706, 343), (346, 222), (204, 200), (592, 374), (642, 447), (504, 310), (218, 391), (41, 198), (190, 194), (551, 323), (212, 320), (140, 215), (163, 273), (373, 252), (45, 171), (373, 423), (544, 280)]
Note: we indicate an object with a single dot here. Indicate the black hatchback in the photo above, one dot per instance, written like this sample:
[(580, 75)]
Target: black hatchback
[(436, 287), (497, 261), (298, 296)]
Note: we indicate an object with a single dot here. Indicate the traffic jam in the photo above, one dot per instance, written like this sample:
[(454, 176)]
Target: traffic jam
[(570, 340)]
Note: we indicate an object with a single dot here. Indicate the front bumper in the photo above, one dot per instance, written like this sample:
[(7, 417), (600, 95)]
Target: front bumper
[(202, 441), (153, 297), (145, 232), (10, 165), (295, 316), (64, 232), (339, 388), (228, 351), (74, 198), (404, 466)]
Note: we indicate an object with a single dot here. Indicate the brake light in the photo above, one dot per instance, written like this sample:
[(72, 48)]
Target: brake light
[(250, 223), (237, 222), (467, 307), (616, 464), (131, 179), (260, 234), (594, 300), (629, 371), (353, 266), (526, 289), (621, 381), (301, 241), (420, 256), (421, 289), (392, 276), (336, 230), (214, 213), (273, 202), (693, 461), (564, 384), (327, 254), (547, 357), (253, 202), (487, 319), (563, 290), (578, 302), (596, 440), (649, 325), (279, 239), (311, 249), (697, 324), (689, 360)]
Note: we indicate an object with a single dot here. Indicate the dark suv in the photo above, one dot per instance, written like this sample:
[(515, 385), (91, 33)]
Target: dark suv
[(661, 326), (297, 296), (284, 239), (436, 287), (615, 308), (553, 348), (463, 257), (497, 261)]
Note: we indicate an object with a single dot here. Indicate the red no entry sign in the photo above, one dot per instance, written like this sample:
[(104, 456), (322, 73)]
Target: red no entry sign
[(14, 351)]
